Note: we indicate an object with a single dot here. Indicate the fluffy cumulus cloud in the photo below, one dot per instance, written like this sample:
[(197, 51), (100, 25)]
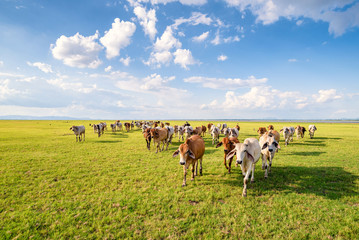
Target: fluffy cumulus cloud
[(46, 68), (125, 61), (184, 57), (326, 96), (6, 90), (226, 83), (147, 20), (77, 51), (1, 63), (195, 19), (341, 15), (118, 37)]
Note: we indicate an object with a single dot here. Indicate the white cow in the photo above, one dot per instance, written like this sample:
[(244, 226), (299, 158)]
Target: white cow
[(79, 131), (215, 134), (288, 133), (269, 147), (312, 129), (248, 154)]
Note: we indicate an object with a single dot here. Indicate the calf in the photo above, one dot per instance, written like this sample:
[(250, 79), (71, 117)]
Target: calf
[(312, 129), (226, 132), (197, 131), (147, 136), (228, 145), (215, 134), (170, 134), (224, 125), (158, 136), (188, 130), (248, 154), (100, 129), (79, 131), (270, 127), (287, 134), (276, 136), (190, 152), (261, 131), (269, 146), (209, 126), (204, 130), (300, 131), (175, 128), (237, 127)]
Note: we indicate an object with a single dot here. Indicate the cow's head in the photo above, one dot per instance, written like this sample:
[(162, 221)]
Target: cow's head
[(271, 144), (184, 152)]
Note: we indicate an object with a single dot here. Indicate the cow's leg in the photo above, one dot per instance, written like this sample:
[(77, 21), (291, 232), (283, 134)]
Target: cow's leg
[(185, 167), (270, 163), (200, 166), (193, 167), (225, 162), (77, 138), (265, 166), (253, 166), (158, 147), (196, 164), (230, 165)]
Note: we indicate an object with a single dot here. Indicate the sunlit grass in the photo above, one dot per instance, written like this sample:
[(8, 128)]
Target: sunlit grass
[(113, 187)]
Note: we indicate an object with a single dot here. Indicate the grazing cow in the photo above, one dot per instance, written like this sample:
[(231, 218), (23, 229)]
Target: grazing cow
[(269, 147), (204, 130), (119, 125), (226, 132), (79, 131), (190, 152), (248, 154), (288, 133), (228, 145), (300, 131), (261, 131), (181, 131), (233, 132), (312, 129), (270, 127), (159, 135), (147, 136), (127, 126), (113, 127), (215, 134), (238, 127)]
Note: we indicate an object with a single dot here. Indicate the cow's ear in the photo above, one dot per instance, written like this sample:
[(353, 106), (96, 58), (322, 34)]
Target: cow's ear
[(175, 154), (231, 154), (249, 156), (190, 154), (219, 144), (265, 146)]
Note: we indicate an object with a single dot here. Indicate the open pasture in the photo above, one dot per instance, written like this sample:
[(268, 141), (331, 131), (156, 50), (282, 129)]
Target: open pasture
[(113, 187)]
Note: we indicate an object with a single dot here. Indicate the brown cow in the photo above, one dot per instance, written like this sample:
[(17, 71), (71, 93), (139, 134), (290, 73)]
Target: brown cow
[(209, 126), (300, 131), (204, 130), (190, 152), (127, 126), (197, 131), (261, 131), (162, 125), (159, 135), (167, 124), (147, 136), (228, 144), (270, 127), (238, 127)]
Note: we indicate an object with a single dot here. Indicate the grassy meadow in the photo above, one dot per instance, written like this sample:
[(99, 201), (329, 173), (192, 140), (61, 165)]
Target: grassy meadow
[(112, 187)]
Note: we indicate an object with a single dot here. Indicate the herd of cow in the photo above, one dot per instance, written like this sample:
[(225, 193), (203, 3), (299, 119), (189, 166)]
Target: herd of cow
[(192, 150)]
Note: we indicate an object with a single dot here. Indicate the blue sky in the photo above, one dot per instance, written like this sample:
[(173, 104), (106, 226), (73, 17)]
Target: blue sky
[(170, 59)]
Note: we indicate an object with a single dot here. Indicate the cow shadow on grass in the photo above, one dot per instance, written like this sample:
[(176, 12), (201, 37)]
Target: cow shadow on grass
[(309, 154), (326, 138), (117, 135), (328, 182)]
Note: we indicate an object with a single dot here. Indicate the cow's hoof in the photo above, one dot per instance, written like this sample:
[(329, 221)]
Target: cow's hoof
[(192, 179), (252, 181), (183, 185)]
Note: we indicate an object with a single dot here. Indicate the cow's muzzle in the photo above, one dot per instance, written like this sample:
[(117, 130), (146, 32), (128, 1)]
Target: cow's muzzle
[(182, 163), (239, 162)]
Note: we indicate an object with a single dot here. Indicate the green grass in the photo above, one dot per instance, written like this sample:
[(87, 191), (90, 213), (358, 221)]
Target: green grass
[(113, 187)]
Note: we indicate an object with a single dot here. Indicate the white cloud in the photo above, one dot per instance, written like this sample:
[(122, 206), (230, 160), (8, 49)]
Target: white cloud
[(77, 86), (341, 15), (1, 63), (46, 68), (201, 37), (184, 58), (120, 104), (218, 39), (184, 2), (5, 90), (299, 22), (326, 95), (226, 83), (77, 51), (222, 58), (118, 37), (292, 60), (126, 61), (195, 19), (147, 20), (108, 69)]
